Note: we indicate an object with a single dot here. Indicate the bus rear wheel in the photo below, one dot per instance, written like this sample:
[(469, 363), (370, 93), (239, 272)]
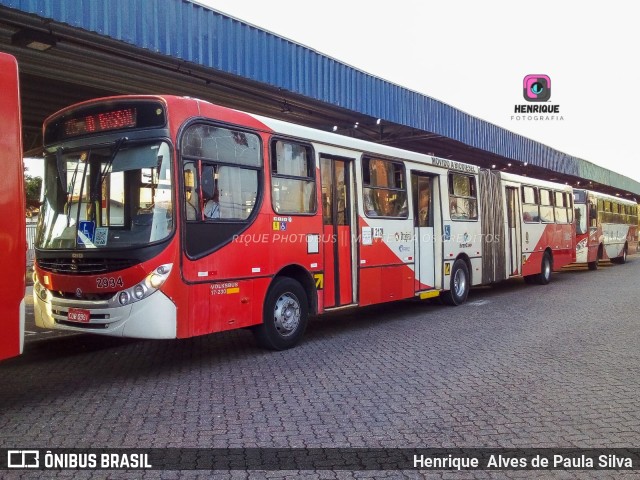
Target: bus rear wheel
[(544, 277), (622, 258), (459, 285), (285, 315)]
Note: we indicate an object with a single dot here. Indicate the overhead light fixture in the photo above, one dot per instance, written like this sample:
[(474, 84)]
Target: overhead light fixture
[(378, 121), (493, 165), (33, 39), (335, 128), (508, 164), (526, 163)]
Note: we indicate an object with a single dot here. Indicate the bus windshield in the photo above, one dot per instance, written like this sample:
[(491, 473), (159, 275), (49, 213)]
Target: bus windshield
[(107, 197)]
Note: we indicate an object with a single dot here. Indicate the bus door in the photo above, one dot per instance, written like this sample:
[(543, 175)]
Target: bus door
[(12, 213), (423, 221), (514, 245), (337, 238)]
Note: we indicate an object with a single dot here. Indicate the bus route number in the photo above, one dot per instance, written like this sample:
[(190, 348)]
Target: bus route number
[(109, 282)]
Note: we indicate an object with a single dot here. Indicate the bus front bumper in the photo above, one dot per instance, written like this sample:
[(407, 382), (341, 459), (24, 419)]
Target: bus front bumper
[(153, 317)]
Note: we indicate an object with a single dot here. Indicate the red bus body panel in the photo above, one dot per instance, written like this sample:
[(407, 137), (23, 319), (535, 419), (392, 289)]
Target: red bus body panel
[(12, 211)]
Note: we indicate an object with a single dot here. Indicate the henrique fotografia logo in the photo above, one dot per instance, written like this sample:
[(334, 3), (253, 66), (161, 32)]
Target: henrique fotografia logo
[(537, 88)]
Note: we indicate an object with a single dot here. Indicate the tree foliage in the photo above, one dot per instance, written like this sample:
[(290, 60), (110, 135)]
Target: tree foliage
[(32, 187)]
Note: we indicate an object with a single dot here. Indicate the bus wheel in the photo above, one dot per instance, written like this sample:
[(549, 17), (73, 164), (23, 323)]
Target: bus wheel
[(544, 277), (285, 316), (622, 258), (594, 265), (459, 286)]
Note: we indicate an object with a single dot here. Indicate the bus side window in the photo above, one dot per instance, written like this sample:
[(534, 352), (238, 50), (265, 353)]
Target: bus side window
[(530, 209), (560, 207), (463, 203), (593, 214), (569, 204), (190, 191), (293, 178), (546, 206), (384, 189)]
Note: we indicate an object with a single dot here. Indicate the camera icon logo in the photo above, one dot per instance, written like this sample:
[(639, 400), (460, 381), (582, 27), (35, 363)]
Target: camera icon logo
[(537, 88)]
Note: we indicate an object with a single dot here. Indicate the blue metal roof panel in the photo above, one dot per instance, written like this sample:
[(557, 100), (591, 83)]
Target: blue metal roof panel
[(193, 33)]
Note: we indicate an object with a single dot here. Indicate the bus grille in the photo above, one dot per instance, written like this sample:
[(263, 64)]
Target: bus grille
[(84, 266)]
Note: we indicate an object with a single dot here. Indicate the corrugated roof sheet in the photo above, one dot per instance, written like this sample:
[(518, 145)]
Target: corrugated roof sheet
[(193, 33)]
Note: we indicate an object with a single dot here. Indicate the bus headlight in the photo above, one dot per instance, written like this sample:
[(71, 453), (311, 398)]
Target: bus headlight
[(150, 284), (138, 292), (123, 298), (156, 278), (40, 291)]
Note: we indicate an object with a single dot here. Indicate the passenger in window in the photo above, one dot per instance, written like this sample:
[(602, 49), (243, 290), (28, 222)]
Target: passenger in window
[(212, 206), (423, 209), (369, 207), (455, 210)]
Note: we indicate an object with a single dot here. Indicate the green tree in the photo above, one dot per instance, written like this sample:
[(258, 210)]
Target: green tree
[(32, 186)]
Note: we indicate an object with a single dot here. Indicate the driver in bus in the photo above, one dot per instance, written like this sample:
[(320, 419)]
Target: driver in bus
[(212, 206)]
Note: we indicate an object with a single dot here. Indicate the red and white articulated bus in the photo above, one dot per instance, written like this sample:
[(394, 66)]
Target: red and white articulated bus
[(606, 228), (12, 213), (168, 217)]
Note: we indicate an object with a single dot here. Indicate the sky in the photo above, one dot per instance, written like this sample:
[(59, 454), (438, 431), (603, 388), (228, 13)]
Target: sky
[(473, 55)]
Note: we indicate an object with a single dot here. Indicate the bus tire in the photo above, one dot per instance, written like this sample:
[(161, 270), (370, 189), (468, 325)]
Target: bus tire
[(594, 265), (622, 258), (285, 315), (544, 277), (459, 285)]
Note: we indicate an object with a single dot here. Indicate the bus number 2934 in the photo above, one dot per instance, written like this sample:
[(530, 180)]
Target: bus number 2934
[(109, 282)]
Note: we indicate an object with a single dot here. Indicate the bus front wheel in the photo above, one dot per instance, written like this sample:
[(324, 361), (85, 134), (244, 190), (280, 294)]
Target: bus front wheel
[(594, 265), (285, 315)]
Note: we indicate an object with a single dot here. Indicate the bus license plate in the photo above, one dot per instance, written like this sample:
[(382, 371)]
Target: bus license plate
[(78, 315)]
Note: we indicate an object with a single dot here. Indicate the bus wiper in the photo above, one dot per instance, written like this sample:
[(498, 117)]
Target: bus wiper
[(70, 191), (109, 162), (61, 168)]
